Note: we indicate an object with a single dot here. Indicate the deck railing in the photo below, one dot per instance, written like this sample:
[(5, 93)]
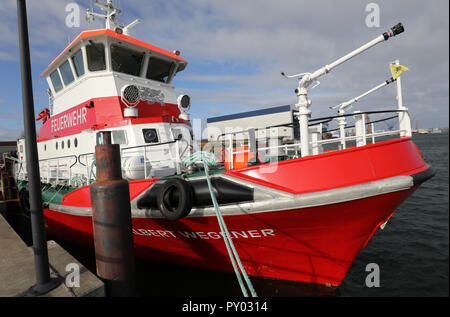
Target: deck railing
[(80, 169), (316, 130)]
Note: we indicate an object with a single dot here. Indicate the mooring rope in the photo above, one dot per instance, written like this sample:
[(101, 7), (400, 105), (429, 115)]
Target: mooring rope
[(62, 186), (209, 159), (92, 174), (77, 179)]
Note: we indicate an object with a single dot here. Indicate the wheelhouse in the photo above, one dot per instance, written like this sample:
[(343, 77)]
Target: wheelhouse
[(113, 57)]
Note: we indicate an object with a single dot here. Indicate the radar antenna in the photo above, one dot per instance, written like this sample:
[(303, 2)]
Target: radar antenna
[(110, 16)]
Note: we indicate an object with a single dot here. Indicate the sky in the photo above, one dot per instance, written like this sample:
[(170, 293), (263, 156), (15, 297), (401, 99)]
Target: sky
[(236, 50)]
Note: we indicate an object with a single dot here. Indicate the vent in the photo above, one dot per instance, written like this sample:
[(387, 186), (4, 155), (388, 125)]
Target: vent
[(130, 94)]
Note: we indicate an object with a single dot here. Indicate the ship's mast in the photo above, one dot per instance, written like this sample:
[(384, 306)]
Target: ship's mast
[(110, 15)]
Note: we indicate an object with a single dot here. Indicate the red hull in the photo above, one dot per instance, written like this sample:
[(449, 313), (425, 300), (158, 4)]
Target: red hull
[(310, 244), (316, 245)]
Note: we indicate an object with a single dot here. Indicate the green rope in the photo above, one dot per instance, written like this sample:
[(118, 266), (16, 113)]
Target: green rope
[(209, 159), (92, 170), (206, 157), (62, 186), (78, 180)]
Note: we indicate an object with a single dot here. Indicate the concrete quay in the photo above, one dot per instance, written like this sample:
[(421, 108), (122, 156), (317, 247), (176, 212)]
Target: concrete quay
[(17, 273)]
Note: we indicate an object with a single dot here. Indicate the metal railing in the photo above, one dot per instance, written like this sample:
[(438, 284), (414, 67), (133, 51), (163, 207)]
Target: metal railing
[(316, 142), (174, 158), (69, 169), (145, 151), (163, 156), (58, 168)]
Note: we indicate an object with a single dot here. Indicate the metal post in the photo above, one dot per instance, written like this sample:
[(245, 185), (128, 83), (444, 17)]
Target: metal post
[(342, 123), (177, 157), (360, 129), (43, 281), (230, 151), (372, 128), (403, 117), (111, 217), (303, 116), (145, 162), (316, 132)]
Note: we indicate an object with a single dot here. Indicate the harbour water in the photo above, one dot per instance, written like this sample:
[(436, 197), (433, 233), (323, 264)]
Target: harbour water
[(411, 252)]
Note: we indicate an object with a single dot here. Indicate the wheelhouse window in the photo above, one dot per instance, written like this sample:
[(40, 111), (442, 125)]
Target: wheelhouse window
[(126, 61), (96, 57), (56, 81), (66, 73), (119, 137), (78, 63), (159, 69)]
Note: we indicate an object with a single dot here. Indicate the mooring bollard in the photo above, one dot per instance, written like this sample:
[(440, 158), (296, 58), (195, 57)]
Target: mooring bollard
[(111, 217)]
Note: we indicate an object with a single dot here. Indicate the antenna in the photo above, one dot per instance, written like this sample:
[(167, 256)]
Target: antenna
[(111, 13), (110, 16)]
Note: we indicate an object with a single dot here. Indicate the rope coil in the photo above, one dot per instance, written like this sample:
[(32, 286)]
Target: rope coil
[(209, 159)]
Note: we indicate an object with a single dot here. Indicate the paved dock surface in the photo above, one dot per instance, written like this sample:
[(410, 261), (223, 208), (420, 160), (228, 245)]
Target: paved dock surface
[(17, 273)]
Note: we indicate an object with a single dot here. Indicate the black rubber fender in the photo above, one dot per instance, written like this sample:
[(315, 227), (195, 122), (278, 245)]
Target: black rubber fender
[(175, 198)]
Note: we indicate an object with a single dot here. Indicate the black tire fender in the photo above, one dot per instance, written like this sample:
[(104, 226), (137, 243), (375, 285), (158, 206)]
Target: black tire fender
[(175, 199)]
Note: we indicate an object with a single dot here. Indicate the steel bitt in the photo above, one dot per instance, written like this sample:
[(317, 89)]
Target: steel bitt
[(111, 216)]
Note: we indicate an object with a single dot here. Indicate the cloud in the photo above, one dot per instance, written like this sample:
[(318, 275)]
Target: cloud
[(48, 33), (7, 134), (237, 49), (296, 37)]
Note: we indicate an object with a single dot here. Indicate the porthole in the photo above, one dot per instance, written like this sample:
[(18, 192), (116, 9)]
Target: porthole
[(45, 147), (75, 142), (56, 144), (62, 145), (68, 144), (150, 135)]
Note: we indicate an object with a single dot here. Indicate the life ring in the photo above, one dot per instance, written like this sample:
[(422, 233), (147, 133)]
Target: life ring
[(175, 199)]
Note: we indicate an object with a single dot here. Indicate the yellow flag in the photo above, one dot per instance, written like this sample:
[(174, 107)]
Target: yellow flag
[(396, 70)]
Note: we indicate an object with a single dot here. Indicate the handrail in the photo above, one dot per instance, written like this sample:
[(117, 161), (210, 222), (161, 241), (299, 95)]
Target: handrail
[(317, 143), (265, 128), (326, 141), (376, 121), (145, 145), (61, 157), (354, 137), (357, 113), (326, 119), (127, 148), (80, 155)]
